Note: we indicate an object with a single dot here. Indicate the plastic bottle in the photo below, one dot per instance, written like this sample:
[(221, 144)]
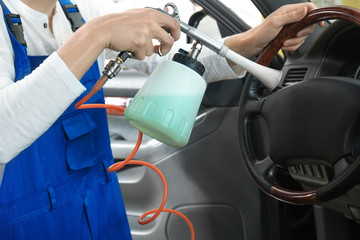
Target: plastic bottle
[(166, 106)]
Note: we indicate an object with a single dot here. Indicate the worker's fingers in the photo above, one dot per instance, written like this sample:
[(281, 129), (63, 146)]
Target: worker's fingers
[(166, 42), (306, 31), (134, 31), (293, 44)]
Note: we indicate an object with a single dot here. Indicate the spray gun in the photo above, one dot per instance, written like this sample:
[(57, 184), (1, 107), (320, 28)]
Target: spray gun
[(269, 77), (166, 106)]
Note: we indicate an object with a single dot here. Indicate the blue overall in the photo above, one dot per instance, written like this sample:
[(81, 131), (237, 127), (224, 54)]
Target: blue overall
[(59, 187)]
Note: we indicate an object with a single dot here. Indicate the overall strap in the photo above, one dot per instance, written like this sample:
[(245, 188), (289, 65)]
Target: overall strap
[(15, 30), (16, 33), (72, 13)]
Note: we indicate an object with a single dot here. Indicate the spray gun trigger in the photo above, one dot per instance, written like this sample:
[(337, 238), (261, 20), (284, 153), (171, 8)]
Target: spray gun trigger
[(175, 12)]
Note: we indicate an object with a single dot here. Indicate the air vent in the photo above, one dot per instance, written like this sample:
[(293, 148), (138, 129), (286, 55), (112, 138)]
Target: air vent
[(295, 75), (311, 173)]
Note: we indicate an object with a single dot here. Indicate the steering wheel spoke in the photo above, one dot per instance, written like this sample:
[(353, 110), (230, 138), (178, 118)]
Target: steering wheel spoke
[(263, 171), (253, 107), (265, 168)]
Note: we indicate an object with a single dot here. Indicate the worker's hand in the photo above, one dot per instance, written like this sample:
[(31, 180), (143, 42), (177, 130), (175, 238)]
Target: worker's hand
[(135, 29), (131, 31), (253, 41)]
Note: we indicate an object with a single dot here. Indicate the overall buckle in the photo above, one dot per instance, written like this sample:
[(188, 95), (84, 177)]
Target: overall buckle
[(73, 15), (16, 28)]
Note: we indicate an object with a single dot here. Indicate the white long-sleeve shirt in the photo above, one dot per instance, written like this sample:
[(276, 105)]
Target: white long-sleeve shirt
[(30, 106)]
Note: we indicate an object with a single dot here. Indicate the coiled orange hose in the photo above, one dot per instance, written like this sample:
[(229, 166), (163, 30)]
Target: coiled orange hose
[(117, 166)]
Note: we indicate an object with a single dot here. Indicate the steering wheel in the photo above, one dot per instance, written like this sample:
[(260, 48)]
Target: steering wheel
[(308, 125)]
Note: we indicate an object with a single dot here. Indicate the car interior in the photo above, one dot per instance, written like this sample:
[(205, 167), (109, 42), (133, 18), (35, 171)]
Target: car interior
[(280, 164)]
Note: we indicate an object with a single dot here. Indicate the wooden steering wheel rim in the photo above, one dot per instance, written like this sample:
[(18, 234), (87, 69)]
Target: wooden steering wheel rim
[(314, 16)]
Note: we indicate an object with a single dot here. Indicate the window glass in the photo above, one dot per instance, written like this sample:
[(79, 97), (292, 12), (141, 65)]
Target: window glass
[(246, 11)]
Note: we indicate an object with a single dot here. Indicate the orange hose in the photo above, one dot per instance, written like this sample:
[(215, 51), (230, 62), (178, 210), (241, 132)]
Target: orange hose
[(117, 166)]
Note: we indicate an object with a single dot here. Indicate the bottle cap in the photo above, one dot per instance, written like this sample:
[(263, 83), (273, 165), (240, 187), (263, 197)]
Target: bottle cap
[(183, 58)]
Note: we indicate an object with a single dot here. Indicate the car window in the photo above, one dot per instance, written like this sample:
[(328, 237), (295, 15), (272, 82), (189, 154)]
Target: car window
[(246, 11), (327, 3)]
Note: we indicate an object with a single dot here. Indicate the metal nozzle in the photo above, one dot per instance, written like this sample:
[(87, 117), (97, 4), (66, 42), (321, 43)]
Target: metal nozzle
[(195, 50)]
